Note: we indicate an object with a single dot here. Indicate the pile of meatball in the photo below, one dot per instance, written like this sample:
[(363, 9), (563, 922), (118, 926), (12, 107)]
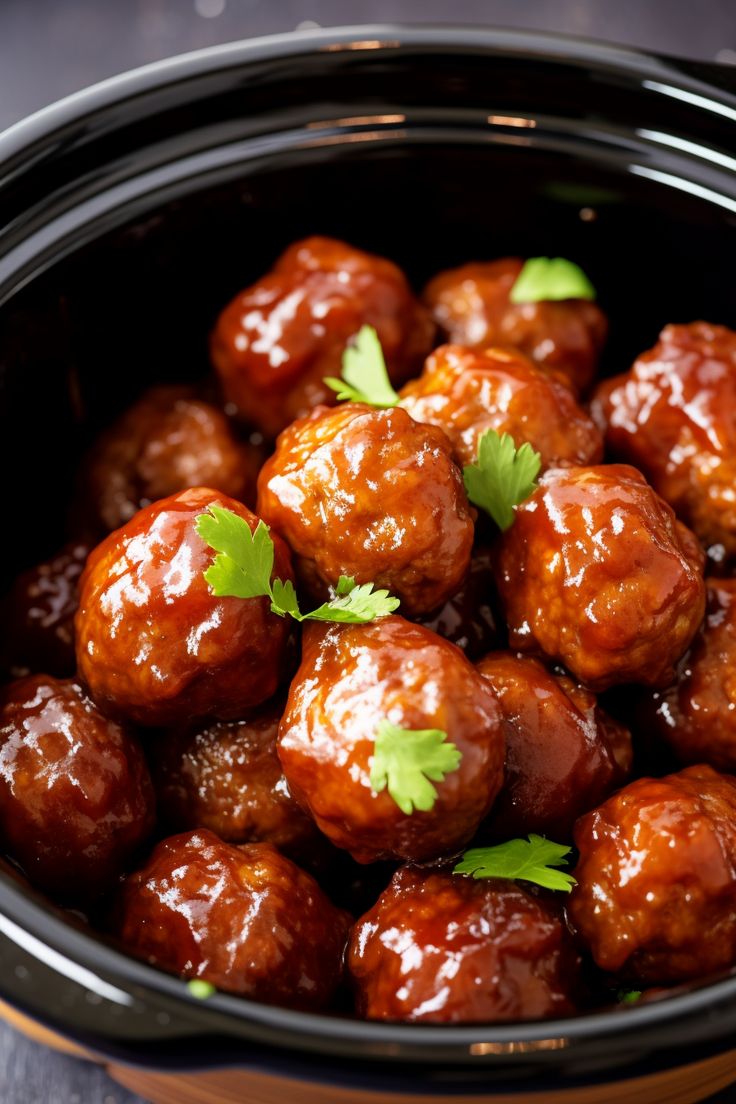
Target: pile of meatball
[(192, 773)]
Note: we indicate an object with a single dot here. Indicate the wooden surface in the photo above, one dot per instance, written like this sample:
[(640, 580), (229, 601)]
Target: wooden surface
[(49, 48)]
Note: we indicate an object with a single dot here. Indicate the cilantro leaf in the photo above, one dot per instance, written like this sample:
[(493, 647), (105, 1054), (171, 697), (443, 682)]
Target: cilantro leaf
[(503, 476), (531, 860), (354, 604), (244, 562), (364, 375), (200, 988), (630, 996), (407, 761), (550, 278)]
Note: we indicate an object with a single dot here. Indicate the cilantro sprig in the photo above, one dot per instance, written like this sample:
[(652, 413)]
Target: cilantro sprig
[(244, 562), (628, 996), (550, 278), (364, 374), (407, 761), (503, 476), (530, 860)]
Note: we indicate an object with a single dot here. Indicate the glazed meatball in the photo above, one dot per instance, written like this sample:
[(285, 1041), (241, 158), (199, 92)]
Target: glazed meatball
[(38, 616), (697, 715), (154, 645), (244, 918), (674, 416), (595, 572), (468, 391), (168, 441), (353, 677), (374, 495), (227, 777), (469, 618), (446, 948), (276, 341), (564, 754), (655, 899), (471, 305), (75, 796)]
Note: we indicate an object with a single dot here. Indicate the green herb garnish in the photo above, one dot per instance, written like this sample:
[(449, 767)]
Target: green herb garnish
[(628, 996), (531, 860), (200, 988), (244, 562), (407, 762), (550, 278), (364, 375), (502, 477)]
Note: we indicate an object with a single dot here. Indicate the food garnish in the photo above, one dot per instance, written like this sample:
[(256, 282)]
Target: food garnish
[(530, 860), (550, 278), (502, 477), (407, 762), (364, 375)]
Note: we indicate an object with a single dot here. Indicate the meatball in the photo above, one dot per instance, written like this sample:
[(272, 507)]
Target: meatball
[(352, 678), (674, 416), (564, 754), (38, 616), (446, 948), (468, 391), (244, 918), (276, 341), (596, 572), (697, 715), (468, 618), (168, 441), (75, 796), (227, 777), (471, 305), (154, 645), (655, 899), (374, 495)]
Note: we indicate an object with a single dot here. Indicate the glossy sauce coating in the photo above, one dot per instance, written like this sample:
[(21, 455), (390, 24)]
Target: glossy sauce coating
[(468, 391), (168, 441), (351, 678), (469, 618), (596, 572), (75, 795), (471, 305), (277, 340), (227, 777), (374, 495), (444, 948), (244, 918), (697, 715), (38, 616), (153, 643), (564, 754), (656, 893), (674, 416)]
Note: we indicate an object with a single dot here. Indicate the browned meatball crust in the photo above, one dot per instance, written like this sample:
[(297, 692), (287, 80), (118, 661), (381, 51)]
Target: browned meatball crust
[(564, 754), (38, 616), (697, 715), (468, 391), (227, 777), (656, 882), (596, 572), (166, 442), (373, 495), (444, 948), (471, 305), (276, 341), (245, 918), (352, 677), (674, 416), (75, 795), (153, 643)]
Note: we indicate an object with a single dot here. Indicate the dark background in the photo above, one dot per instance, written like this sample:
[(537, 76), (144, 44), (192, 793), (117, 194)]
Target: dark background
[(50, 48)]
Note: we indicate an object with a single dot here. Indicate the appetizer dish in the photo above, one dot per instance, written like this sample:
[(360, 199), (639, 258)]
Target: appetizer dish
[(389, 671)]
